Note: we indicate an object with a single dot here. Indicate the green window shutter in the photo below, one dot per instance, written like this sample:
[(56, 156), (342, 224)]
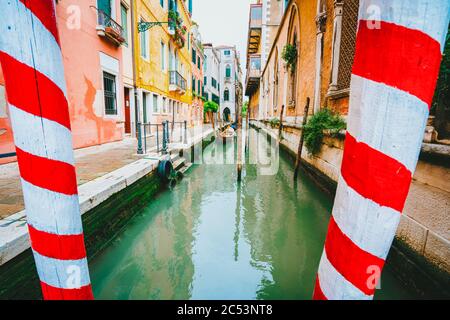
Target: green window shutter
[(105, 6)]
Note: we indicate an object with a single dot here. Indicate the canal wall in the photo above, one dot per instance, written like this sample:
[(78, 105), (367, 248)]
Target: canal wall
[(420, 255), (106, 204)]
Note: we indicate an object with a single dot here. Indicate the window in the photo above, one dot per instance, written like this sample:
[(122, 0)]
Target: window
[(226, 95), (145, 105), (161, 2), (214, 82), (205, 80), (105, 6), (145, 44), (164, 105), (199, 87), (193, 84), (194, 56), (227, 52), (124, 21), (163, 56), (109, 89), (228, 71), (198, 62), (155, 104)]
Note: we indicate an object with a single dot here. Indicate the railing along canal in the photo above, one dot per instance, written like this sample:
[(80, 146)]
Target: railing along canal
[(160, 135)]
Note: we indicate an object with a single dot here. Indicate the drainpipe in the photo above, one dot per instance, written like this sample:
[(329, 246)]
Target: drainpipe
[(136, 95)]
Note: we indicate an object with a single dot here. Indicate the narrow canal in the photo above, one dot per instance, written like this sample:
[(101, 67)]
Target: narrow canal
[(210, 238)]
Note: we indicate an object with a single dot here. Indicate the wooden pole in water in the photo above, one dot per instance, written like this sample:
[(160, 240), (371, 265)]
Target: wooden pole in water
[(302, 138), (247, 132), (32, 63), (239, 143), (394, 75), (281, 123)]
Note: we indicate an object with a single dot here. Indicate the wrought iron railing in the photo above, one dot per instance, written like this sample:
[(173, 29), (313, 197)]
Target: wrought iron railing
[(106, 21), (177, 79), (160, 135)]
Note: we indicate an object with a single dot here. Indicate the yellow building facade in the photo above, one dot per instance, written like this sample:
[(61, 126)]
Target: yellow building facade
[(162, 58)]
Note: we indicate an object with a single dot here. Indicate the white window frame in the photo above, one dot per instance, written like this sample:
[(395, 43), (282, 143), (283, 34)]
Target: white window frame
[(158, 109), (147, 48)]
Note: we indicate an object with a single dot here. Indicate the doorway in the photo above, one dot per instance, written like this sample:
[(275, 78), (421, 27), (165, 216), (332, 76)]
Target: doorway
[(127, 110)]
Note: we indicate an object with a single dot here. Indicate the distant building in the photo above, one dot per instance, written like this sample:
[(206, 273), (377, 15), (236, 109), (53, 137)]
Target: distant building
[(230, 77), (211, 73), (197, 61)]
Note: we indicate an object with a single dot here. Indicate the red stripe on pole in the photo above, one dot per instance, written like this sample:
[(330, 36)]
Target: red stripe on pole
[(62, 247), (49, 174), (318, 293), (403, 58), (45, 12), (375, 175), (33, 92), (353, 263), (52, 293)]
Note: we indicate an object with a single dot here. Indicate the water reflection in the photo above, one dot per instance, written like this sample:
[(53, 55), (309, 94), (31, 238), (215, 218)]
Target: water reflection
[(210, 238)]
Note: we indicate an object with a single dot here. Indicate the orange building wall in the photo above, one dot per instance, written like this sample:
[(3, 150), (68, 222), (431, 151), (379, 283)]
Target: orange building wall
[(80, 49)]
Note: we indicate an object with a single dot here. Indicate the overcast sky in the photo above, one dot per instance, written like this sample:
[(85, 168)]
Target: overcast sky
[(224, 22)]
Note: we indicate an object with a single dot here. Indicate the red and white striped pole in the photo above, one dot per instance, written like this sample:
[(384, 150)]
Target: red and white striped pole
[(30, 55), (398, 53)]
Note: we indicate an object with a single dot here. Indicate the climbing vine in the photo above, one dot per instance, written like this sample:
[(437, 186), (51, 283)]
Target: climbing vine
[(289, 55)]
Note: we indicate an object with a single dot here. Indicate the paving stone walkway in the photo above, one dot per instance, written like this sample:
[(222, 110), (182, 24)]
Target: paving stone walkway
[(91, 163)]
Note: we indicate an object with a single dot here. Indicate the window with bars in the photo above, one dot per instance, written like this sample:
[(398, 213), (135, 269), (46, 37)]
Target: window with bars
[(109, 89)]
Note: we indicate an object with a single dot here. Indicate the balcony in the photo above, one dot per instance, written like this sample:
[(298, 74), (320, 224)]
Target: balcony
[(176, 82), (253, 74), (254, 29), (108, 28)]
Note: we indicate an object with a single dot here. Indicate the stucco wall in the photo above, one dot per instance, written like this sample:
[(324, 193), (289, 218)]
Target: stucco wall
[(81, 50)]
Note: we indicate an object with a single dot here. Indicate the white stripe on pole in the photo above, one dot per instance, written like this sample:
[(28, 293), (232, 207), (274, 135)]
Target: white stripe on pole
[(408, 14), (50, 211), (387, 119), (29, 130), (43, 53), (64, 274), (334, 286), (364, 221)]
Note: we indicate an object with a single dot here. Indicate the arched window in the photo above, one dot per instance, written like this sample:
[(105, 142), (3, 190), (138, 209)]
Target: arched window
[(228, 71), (226, 95)]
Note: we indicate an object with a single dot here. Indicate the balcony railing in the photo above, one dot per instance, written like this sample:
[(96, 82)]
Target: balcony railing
[(109, 28), (177, 82), (254, 28), (253, 73)]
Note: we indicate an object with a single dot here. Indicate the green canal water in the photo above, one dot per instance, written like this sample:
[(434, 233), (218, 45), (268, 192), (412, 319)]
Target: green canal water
[(210, 238)]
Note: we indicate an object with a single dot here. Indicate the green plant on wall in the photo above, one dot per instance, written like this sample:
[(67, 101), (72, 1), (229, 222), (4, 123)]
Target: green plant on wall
[(274, 122), (289, 55), (244, 109), (324, 120)]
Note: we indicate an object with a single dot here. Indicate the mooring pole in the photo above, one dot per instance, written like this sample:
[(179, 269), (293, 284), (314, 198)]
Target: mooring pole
[(280, 131), (394, 76), (30, 56), (239, 144), (298, 159)]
